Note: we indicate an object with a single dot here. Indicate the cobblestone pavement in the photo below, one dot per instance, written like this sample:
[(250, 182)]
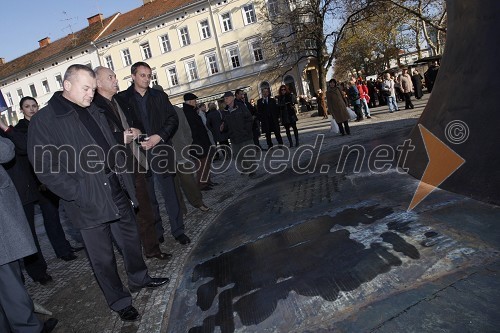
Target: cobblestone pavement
[(74, 296)]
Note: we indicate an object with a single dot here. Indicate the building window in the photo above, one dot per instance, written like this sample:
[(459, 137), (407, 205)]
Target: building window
[(256, 49), (9, 98), (59, 80), (20, 94), (33, 90), (212, 65), (165, 44), (154, 79), (126, 58), (45, 85), (249, 14), (173, 80), (184, 36), (205, 29), (272, 7), (109, 62), (234, 57), (191, 70), (146, 51), (227, 25)]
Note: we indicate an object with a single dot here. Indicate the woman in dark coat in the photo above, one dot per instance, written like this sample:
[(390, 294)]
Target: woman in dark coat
[(286, 102), (416, 79), (337, 107)]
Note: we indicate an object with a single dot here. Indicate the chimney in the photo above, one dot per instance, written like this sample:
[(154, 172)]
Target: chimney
[(94, 19), (44, 42), (147, 1), (2, 61)]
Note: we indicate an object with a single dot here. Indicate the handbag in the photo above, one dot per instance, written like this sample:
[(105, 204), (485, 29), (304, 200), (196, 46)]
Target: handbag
[(352, 114), (334, 127)]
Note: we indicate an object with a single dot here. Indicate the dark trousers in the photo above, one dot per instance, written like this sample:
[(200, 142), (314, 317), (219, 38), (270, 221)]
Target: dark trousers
[(295, 132), (145, 217), (166, 186), (16, 307), (256, 132), (35, 264), (276, 130), (358, 111), (99, 246), (49, 205), (344, 127), (408, 103)]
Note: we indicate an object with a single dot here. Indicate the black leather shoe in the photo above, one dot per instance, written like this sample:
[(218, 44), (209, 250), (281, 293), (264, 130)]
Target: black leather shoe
[(128, 314), (161, 256), (49, 325), (77, 248), (155, 282), (183, 239), (44, 279), (68, 257)]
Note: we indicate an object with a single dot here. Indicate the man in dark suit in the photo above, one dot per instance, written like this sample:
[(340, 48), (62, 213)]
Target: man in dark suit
[(97, 192), (268, 114), (119, 119), (158, 121)]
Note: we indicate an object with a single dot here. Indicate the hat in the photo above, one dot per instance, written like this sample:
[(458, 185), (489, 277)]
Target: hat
[(190, 97), (228, 94)]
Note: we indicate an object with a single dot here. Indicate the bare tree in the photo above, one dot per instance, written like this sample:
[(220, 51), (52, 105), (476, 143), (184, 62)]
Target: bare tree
[(431, 15), (308, 31)]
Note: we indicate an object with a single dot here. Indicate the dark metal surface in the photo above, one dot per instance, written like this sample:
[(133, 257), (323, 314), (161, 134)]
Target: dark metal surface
[(466, 89)]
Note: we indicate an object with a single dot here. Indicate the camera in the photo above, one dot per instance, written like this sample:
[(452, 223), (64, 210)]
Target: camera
[(141, 138)]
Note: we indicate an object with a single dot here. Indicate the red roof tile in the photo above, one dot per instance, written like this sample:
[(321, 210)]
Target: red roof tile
[(144, 13), (65, 44)]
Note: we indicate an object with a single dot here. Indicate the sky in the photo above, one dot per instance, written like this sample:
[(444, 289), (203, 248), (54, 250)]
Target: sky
[(24, 22)]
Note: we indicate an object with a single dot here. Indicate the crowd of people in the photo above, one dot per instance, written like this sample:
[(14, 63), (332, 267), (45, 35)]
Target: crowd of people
[(127, 147)]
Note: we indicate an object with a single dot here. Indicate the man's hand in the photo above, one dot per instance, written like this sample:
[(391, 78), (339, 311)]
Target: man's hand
[(150, 142), (130, 134), (221, 128)]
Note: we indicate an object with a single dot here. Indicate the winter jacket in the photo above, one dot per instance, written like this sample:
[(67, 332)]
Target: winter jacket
[(16, 240), (57, 146), (163, 121), (238, 123)]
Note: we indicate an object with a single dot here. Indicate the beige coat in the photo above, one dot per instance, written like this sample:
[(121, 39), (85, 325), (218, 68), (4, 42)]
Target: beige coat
[(336, 105), (406, 84)]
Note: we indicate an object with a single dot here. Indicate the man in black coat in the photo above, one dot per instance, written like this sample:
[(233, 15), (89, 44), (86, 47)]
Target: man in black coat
[(268, 114), (158, 122), (72, 151), (200, 148), (118, 116)]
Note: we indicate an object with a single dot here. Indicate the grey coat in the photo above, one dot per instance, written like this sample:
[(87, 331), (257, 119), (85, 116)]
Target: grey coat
[(16, 240)]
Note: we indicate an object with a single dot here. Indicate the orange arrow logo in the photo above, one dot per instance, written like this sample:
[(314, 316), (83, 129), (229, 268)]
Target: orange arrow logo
[(443, 162)]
